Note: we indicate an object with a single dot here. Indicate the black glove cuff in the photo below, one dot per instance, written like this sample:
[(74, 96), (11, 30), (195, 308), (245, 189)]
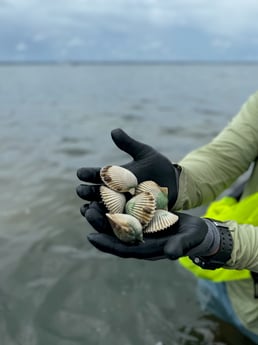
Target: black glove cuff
[(224, 253)]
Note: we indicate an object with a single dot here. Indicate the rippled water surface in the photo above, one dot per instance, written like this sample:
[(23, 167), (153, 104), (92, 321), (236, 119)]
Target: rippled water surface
[(56, 289)]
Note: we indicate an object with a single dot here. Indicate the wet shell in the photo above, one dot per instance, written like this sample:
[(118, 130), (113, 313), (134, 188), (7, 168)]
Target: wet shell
[(126, 227), (142, 207), (160, 193), (118, 178), (162, 220), (114, 201)]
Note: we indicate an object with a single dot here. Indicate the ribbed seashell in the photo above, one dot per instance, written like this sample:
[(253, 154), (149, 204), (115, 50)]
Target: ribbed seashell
[(142, 207), (160, 193), (114, 201), (126, 227), (162, 220), (118, 178)]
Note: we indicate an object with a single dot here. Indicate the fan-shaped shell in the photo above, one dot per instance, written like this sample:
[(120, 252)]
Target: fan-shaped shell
[(160, 193), (162, 220), (126, 227), (142, 207), (118, 178), (114, 201)]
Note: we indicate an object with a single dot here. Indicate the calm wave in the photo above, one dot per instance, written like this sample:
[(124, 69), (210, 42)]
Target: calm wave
[(55, 288)]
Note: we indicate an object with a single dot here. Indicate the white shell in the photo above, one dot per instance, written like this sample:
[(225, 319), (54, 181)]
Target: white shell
[(126, 227), (160, 193), (118, 178), (114, 201), (141, 206), (162, 220)]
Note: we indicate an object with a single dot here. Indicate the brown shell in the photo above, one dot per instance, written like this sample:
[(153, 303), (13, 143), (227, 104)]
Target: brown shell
[(141, 206), (160, 193), (118, 178)]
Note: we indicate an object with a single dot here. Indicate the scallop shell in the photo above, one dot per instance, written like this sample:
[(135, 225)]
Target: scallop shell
[(114, 201), (160, 193), (162, 220), (126, 227), (142, 207), (118, 178)]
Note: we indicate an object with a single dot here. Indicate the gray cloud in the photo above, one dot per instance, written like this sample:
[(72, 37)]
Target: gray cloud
[(126, 28)]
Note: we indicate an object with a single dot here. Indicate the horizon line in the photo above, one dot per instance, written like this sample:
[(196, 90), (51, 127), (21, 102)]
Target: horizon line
[(124, 62)]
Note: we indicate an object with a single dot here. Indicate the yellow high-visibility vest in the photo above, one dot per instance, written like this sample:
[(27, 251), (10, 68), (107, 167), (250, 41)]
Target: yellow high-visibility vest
[(244, 212)]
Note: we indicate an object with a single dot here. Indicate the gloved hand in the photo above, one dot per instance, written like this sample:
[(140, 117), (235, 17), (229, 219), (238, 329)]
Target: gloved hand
[(147, 164), (189, 236)]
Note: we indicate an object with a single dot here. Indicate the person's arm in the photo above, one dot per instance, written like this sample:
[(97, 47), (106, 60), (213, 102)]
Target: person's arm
[(210, 244), (209, 170), (245, 246), (205, 173)]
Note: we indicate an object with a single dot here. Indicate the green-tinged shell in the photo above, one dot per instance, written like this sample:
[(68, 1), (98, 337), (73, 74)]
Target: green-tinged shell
[(118, 178), (141, 206), (126, 227), (162, 220), (160, 193), (114, 201)]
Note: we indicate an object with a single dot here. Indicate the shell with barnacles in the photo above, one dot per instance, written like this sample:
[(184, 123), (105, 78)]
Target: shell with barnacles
[(114, 201), (118, 178), (126, 227), (142, 207), (160, 193), (161, 220)]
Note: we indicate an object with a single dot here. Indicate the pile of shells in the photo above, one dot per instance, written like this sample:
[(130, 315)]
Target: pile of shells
[(146, 211)]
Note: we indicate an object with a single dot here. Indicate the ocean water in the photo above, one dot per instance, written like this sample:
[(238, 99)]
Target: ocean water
[(55, 288)]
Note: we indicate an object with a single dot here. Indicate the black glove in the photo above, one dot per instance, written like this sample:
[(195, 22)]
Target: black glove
[(188, 236), (147, 164)]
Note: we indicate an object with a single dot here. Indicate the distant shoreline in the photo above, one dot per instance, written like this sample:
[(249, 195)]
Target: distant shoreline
[(127, 62)]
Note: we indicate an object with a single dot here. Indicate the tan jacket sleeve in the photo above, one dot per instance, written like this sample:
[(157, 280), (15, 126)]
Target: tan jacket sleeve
[(245, 248), (209, 170)]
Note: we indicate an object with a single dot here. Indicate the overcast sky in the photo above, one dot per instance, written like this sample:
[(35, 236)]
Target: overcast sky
[(128, 30)]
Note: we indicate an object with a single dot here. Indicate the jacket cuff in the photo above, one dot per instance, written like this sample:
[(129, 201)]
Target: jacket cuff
[(224, 252)]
